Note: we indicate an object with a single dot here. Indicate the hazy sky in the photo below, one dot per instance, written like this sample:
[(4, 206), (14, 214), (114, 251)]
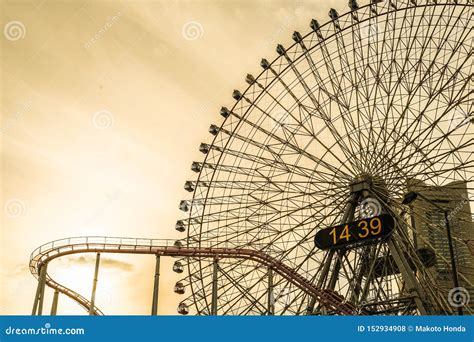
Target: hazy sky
[(103, 106)]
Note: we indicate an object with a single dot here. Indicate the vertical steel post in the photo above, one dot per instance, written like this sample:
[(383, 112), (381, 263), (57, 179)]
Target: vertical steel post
[(156, 285), (348, 216), (451, 254), (271, 298), (54, 306), (43, 285), (94, 284), (413, 225), (214, 288), (408, 276), (39, 288)]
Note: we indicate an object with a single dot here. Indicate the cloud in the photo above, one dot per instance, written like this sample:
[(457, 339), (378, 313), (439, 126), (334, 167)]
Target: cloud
[(104, 262)]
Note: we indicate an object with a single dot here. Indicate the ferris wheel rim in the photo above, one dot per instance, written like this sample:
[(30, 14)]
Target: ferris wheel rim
[(274, 80)]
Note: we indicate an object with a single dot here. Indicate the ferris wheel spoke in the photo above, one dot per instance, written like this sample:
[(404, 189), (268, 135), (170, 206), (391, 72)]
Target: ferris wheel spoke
[(427, 129), (308, 132), (337, 209), (430, 128), (246, 292), (402, 76), (417, 87), (438, 142), (267, 202), (320, 85), (338, 95), (274, 219), (359, 55)]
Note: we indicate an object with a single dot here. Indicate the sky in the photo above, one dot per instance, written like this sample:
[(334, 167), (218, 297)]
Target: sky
[(103, 107)]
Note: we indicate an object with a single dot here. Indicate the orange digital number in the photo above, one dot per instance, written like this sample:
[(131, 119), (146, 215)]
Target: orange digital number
[(344, 234), (334, 238), (364, 228), (376, 228)]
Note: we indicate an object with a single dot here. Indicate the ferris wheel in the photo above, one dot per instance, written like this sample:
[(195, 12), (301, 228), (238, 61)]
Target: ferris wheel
[(371, 105)]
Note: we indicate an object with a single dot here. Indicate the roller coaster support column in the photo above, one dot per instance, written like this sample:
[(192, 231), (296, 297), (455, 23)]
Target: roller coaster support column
[(214, 288), (38, 304), (271, 298), (156, 286), (408, 276), (54, 306), (94, 284)]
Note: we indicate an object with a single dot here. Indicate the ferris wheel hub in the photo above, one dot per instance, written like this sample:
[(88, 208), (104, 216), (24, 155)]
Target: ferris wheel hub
[(366, 184)]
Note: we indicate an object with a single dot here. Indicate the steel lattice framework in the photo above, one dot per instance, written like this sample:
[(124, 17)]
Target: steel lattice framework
[(97, 244), (361, 107)]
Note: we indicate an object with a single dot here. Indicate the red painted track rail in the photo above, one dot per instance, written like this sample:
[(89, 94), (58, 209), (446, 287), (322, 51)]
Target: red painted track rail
[(55, 249)]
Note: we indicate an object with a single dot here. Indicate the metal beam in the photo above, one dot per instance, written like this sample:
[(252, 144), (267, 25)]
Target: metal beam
[(271, 298), (348, 216), (156, 286), (94, 284), (407, 274), (38, 303), (54, 306), (214, 287), (43, 285)]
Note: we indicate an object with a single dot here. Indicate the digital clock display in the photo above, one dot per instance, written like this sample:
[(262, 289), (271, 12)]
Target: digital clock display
[(364, 230)]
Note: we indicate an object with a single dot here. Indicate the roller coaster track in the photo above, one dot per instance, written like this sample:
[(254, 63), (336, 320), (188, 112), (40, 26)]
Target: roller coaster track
[(55, 249)]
